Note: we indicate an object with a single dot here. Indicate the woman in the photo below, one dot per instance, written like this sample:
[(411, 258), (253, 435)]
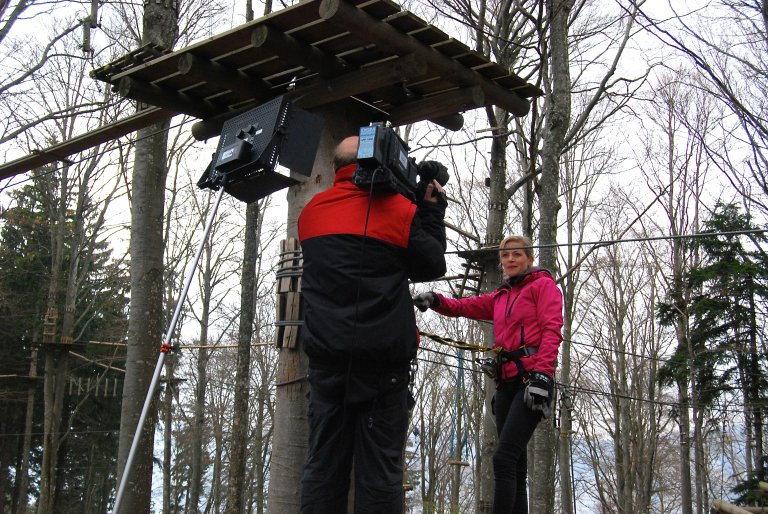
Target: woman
[(527, 321)]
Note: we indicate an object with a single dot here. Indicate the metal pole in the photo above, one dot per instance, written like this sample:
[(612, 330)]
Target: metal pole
[(161, 358)]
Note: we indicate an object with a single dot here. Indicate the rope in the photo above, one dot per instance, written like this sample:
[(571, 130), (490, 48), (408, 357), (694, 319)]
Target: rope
[(462, 345)]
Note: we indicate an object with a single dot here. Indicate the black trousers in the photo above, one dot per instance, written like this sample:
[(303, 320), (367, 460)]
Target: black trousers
[(356, 419), (515, 424)]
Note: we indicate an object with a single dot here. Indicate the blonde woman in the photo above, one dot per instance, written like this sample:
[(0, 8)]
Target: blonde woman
[(526, 310)]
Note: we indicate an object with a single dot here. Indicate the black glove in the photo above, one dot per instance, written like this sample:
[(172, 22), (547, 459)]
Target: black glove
[(426, 300), (489, 366), (429, 170), (538, 392)]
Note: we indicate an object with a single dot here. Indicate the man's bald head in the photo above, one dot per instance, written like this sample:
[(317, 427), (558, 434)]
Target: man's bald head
[(346, 152)]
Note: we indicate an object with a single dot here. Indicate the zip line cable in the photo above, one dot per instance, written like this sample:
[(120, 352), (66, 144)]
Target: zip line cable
[(605, 242)]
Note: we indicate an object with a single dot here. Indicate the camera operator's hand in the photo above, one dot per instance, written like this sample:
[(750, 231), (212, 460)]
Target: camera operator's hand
[(424, 301), (538, 392), (435, 193), (429, 170)]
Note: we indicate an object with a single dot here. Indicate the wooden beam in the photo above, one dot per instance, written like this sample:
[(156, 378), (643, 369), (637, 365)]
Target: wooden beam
[(368, 28), (203, 70), (721, 506), (354, 83), (62, 151), (169, 98), (395, 95), (296, 52), (438, 105), (464, 233), (451, 122), (327, 91)]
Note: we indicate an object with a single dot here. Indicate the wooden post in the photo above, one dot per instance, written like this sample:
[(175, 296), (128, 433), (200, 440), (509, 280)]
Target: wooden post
[(727, 508), (289, 312)]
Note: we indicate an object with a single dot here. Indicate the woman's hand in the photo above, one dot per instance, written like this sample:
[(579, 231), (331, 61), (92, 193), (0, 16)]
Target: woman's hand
[(424, 301)]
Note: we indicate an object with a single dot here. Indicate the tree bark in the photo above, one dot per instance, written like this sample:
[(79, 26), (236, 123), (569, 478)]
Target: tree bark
[(198, 419), (56, 359), (22, 483), (542, 478), (289, 446), (145, 325), (167, 432), (239, 442), (494, 233)]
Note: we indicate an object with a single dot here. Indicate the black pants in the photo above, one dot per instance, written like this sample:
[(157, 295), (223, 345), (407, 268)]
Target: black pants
[(361, 418), (515, 424)]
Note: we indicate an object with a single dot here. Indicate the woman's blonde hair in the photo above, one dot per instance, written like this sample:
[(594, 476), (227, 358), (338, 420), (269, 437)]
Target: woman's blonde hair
[(521, 240)]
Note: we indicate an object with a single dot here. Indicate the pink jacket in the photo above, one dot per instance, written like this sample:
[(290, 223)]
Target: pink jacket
[(532, 309)]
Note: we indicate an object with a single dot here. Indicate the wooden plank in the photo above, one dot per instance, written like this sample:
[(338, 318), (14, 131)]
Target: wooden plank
[(357, 82), (229, 41), (62, 151), (155, 95), (293, 313), (297, 52), (358, 22), (727, 508), (279, 329), (223, 77)]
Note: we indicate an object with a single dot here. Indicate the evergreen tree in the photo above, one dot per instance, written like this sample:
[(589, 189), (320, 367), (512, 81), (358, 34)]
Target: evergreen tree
[(726, 352), (91, 415)]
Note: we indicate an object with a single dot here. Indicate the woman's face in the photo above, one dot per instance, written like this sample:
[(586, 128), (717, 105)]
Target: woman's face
[(513, 259)]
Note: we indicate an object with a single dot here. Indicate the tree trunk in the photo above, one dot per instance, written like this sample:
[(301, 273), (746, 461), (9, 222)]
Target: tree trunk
[(22, 480), (55, 358), (198, 419), (167, 441), (289, 445), (145, 325), (686, 496), (564, 410), (494, 233), (457, 456), (542, 478), (239, 442)]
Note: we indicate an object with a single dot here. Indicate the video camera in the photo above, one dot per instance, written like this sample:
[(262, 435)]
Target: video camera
[(383, 165)]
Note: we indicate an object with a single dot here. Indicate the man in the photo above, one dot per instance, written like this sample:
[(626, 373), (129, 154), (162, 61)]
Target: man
[(360, 248)]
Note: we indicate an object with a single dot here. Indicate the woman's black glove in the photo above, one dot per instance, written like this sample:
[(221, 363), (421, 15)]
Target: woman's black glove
[(538, 392), (424, 301)]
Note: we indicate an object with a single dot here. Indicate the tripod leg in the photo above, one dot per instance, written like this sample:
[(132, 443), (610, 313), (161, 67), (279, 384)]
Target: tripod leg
[(164, 349)]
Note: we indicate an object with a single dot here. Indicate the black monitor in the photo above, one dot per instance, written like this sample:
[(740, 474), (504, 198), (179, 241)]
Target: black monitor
[(258, 149)]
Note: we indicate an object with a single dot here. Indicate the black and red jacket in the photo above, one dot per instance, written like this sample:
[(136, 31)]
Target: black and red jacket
[(359, 252)]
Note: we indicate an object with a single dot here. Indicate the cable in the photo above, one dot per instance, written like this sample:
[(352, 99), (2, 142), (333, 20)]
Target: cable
[(607, 242)]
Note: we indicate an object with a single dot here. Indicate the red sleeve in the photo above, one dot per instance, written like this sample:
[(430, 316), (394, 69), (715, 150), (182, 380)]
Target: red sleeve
[(549, 312)]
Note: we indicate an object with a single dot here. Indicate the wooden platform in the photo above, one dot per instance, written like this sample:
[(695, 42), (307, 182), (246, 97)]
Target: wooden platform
[(320, 52), (396, 66)]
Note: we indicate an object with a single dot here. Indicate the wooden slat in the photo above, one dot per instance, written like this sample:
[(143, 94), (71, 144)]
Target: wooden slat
[(382, 34), (85, 141)]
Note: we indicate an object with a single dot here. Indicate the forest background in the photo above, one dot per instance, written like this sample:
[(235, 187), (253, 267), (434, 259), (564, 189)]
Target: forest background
[(640, 174)]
